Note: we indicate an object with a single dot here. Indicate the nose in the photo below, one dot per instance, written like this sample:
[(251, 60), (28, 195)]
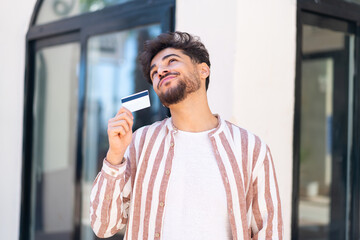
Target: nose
[(162, 70)]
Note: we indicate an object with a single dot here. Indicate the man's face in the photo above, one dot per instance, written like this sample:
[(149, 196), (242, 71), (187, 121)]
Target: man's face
[(174, 76)]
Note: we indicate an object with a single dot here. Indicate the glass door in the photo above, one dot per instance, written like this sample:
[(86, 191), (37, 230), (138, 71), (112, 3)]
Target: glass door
[(61, 178), (77, 70), (325, 127), (54, 142), (112, 73)]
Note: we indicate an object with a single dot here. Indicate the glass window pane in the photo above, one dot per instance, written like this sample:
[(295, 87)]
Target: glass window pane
[(323, 63), (353, 1), (112, 73), (53, 10), (54, 142), (315, 152)]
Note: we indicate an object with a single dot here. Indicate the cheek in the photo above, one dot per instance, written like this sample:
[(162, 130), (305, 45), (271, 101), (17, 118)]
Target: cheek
[(154, 84)]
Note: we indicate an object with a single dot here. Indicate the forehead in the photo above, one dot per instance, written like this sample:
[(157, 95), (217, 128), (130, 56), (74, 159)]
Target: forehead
[(160, 55)]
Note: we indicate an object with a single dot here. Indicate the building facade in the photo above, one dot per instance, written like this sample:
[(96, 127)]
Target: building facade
[(285, 70)]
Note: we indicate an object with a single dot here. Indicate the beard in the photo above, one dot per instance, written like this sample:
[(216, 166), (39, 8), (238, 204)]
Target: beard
[(185, 86)]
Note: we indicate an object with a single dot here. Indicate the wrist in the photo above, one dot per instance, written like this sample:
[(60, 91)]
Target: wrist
[(114, 158)]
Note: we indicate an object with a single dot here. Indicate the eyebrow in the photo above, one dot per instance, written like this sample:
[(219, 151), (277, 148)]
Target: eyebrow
[(164, 58)]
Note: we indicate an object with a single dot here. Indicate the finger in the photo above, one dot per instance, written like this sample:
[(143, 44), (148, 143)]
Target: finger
[(114, 131), (122, 123), (122, 116), (124, 110)]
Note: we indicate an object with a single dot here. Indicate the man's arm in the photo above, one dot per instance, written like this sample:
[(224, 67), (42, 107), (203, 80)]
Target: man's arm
[(266, 206), (110, 195), (110, 199)]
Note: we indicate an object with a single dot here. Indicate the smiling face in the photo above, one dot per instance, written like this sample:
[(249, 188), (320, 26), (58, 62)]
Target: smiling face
[(174, 75)]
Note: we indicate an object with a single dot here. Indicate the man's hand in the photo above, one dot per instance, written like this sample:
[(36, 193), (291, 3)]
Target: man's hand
[(119, 135)]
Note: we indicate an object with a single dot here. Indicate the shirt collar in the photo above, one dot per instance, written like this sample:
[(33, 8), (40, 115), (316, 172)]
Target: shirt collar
[(218, 129)]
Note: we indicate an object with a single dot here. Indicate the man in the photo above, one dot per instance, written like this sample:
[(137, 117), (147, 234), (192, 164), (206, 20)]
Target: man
[(191, 176)]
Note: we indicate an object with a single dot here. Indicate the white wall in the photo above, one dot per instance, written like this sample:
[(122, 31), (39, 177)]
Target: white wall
[(265, 83), (14, 21), (252, 51), (215, 23)]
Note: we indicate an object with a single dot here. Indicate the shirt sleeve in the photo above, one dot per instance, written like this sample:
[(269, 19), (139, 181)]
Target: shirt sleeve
[(267, 220), (110, 195)]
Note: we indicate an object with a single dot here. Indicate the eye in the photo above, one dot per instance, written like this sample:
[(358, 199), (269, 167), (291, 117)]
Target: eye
[(153, 74), (172, 60)]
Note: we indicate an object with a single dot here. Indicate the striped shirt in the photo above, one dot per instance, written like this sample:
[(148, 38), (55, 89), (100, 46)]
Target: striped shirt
[(133, 194)]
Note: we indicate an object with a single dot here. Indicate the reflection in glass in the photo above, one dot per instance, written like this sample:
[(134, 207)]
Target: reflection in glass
[(53, 10), (322, 51), (54, 142), (112, 73), (315, 152), (353, 1)]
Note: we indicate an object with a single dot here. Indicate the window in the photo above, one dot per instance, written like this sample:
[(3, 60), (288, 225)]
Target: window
[(353, 1), (327, 70), (78, 69), (326, 129), (112, 73), (54, 10), (54, 141)]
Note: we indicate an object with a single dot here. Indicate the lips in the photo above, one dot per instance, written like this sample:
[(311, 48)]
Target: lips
[(167, 77)]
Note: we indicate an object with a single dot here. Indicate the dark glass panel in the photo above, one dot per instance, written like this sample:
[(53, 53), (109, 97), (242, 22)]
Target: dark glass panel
[(112, 73), (54, 142), (325, 132), (53, 10)]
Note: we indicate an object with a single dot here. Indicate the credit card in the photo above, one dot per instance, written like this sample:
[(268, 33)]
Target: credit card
[(136, 101)]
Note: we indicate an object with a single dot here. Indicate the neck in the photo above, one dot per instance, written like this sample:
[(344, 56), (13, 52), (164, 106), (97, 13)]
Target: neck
[(193, 114)]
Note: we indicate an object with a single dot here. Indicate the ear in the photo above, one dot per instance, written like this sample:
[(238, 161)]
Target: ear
[(204, 70)]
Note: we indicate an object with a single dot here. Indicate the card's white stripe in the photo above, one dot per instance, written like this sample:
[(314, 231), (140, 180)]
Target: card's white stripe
[(137, 104)]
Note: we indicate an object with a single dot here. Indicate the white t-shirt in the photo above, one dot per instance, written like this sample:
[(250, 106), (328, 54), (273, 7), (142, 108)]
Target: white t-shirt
[(196, 205)]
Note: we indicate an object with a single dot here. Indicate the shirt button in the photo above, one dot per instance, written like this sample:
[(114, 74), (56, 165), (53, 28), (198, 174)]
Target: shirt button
[(157, 235), (161, 204), (167, 172), (171, 144)]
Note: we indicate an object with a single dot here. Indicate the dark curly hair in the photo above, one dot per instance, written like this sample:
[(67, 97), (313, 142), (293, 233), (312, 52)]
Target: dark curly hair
[(190, 45)]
